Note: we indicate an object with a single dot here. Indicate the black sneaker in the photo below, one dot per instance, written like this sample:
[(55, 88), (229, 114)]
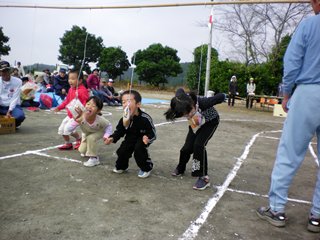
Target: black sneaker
[(274, 218), (176, 173), (314, 224)]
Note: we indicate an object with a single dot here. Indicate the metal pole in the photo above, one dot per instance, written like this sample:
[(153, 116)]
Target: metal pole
[(206, 85), (2, 5)]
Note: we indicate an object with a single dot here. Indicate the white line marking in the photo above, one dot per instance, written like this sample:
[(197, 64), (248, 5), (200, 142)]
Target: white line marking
[(166, 123), (28, 152), (105, 113), (195, 226), (193, 229), (314, 155), (249, 120), (55, 157), (266, 196), (14, 155), (273, 138)]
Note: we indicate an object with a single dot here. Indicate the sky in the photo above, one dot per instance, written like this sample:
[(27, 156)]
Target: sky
[(35, 33)]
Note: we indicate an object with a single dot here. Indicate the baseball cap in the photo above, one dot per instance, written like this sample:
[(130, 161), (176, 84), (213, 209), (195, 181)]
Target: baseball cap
[(4, 65), (110, 80), (62, 70), (24, 79)]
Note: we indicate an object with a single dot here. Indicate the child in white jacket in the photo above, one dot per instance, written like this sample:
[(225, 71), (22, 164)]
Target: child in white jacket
[(94, 127)]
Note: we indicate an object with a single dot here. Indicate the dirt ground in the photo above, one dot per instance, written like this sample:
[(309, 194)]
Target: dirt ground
[(48, 194)]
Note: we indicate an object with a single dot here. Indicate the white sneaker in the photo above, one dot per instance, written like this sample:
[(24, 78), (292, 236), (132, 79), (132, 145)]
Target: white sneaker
[(93, 161), (119, 171), (142, 174)]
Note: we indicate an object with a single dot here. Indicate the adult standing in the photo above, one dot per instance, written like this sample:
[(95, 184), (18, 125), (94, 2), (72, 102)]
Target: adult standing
[(301, 69), (21, 71), (251, 88), (233, 90), (10, 90)]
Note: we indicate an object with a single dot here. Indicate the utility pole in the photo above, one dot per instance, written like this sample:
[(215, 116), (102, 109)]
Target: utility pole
[(206, 86)]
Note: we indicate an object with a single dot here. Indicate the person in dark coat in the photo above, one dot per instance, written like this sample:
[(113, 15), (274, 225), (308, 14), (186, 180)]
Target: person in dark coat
[(233, 90), (60, 84)]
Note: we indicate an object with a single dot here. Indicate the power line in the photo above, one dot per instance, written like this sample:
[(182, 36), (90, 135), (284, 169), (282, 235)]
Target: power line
[(191, 4)]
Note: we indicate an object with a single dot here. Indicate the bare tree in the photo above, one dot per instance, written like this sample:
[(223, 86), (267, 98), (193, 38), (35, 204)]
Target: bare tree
[(283, 19), (254, 29)]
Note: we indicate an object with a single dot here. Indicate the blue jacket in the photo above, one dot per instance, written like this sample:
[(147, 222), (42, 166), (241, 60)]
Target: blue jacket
[(60, 83), (302, 58)]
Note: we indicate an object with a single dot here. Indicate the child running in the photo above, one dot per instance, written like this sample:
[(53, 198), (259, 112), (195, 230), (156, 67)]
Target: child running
[(94, 127), (139, 132), (203, 121), (69, 125)]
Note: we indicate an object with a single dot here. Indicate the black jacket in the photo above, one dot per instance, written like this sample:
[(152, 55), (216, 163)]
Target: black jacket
[(205, 106), (233, 87), (139, 126)]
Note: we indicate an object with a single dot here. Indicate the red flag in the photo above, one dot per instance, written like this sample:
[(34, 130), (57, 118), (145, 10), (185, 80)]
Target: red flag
[(210, 18)]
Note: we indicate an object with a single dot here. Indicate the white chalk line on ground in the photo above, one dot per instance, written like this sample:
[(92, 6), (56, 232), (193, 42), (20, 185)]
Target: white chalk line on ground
[(193, 229), (266, 196), (29, 152), (56, 157), (37, 152), (248, 120), (195, 226), (314, 155)]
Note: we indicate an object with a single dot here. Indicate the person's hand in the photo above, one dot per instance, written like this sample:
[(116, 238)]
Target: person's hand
[(78, 110), (63, 91), (145, 140), (107, 141), (285, 102), (56, 110), (8, 115)]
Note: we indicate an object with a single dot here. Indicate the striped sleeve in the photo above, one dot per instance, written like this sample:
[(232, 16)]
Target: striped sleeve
[(151, 130)]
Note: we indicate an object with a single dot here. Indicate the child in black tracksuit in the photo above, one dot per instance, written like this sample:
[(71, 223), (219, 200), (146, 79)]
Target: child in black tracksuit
[(203, 121), (139, 132)]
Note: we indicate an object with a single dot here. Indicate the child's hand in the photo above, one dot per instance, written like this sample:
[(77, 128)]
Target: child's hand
[(126, 117), (145, 140), (79, 111), (107, 141), (56, 110)]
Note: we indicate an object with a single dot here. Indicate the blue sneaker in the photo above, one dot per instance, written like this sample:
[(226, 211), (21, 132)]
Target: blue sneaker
[(142, 174), (202, 183)]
